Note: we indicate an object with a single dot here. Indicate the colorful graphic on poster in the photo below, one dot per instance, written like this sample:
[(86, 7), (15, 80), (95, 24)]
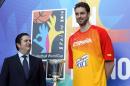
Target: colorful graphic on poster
[(48, 33)]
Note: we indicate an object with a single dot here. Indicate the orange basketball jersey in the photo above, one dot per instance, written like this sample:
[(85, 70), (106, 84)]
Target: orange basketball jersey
[(87, 54)]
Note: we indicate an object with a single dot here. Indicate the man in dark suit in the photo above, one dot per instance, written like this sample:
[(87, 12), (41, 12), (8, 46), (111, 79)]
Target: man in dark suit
[(22, 69)]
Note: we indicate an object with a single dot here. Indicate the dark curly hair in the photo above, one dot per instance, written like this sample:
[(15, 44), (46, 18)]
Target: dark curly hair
[(84, 5)]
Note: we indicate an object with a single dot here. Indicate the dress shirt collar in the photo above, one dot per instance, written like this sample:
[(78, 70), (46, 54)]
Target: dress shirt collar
[(20, 54)]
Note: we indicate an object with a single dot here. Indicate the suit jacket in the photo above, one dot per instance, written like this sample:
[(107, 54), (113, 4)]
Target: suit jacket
[(12, 73)]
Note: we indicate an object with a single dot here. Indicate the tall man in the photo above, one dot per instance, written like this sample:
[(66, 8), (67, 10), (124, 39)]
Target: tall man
[(22, 69), (90, 49)]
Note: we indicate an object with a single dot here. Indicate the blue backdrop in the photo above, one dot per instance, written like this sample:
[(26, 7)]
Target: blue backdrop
[(16, 17)]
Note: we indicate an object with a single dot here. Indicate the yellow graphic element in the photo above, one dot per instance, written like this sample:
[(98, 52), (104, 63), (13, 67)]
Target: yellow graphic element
[(52, 32)]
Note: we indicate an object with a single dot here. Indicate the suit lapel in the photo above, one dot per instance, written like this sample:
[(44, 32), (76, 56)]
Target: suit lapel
[(31, 61), (19, 65)]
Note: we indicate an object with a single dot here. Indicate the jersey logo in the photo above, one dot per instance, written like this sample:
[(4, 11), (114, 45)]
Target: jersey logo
[(82, 61), (79, 43)]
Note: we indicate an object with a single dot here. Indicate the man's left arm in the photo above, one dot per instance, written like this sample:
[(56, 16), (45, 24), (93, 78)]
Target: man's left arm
[(109, 67), (108, 52)]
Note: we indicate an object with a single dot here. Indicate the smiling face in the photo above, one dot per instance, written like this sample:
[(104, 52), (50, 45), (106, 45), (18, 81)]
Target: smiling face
[(25, 44), (82, 16)]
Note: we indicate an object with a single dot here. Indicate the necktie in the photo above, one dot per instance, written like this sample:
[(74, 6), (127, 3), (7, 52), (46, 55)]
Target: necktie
[(25, 66)]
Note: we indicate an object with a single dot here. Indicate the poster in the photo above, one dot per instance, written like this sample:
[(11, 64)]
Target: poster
[(48, 35)]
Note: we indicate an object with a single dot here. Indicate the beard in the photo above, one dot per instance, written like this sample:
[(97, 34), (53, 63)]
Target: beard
[(82, 22)]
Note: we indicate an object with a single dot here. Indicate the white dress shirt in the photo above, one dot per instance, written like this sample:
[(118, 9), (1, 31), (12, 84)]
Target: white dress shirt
[(21, 58)]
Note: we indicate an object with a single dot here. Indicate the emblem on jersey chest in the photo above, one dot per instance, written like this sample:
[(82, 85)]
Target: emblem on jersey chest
[(82, 61)]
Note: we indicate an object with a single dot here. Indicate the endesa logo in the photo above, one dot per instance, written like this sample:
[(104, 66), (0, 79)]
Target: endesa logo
[(79, 43), (82, 62)]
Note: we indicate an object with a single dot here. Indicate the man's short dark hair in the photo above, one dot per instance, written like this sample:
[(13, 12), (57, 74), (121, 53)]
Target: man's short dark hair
[(18, 39), (84, 5)]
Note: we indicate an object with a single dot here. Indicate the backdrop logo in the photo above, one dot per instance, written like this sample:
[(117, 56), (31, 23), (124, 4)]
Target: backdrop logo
[(122, 70)]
